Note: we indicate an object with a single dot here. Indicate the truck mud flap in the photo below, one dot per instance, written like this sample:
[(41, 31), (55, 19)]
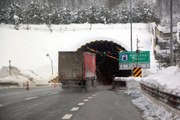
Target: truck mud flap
[(90, 84), (73, 84)]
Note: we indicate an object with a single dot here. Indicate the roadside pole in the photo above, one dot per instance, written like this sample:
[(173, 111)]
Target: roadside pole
[(171, 36), (131, 31), (137, 51), (9, 67), (131, 24), (27, 85)]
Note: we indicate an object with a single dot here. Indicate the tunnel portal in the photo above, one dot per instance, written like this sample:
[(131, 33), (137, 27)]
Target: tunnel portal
[(107, 63)]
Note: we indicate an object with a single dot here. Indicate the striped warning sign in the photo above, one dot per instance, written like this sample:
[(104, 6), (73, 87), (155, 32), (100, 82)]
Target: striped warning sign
[(137, 72)]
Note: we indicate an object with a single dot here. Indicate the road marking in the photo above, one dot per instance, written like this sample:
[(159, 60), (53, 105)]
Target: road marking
[(67, 116), (30, 98), (90, 97), (54, 93), (85, 100), (80, 104), (1, 105), (95, 94), (75, 109)]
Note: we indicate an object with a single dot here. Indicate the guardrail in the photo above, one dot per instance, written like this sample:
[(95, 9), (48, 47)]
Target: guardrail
[(167, 98)]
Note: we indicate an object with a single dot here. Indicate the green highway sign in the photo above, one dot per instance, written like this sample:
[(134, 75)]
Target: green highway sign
[(129, 60)]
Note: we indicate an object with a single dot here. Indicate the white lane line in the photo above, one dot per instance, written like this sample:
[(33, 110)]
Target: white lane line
[(90, 97), (85, 100), (80, 104), (30, 98), (67, 116), (75, 109), (97, 93), (94, 95), (1, 105), (54, 93)]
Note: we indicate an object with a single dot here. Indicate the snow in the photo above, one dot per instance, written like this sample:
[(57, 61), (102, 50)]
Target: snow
[(166, 80), (152, 111), (14, 79), (162, 52), (166, 29), (20, 77), (28, 48), (149, 109), (16, 17)]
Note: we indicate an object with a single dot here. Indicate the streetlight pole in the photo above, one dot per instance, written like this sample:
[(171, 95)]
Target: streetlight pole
[(171, 34), (51, 62)]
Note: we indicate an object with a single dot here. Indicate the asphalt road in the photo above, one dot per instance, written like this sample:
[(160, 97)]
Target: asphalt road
[(52, 103)]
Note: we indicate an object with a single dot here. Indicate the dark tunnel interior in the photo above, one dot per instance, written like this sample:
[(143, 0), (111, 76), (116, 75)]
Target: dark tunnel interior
[(107, 63)]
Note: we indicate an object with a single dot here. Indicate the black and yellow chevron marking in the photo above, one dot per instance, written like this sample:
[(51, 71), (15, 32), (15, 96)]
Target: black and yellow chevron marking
[(137, 72)]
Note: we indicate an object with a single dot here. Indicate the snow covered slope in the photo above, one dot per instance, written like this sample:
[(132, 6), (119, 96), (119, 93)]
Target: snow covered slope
[(20, 77), (27, 49)]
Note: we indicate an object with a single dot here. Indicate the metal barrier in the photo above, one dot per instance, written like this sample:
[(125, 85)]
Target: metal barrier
[(167, 98)]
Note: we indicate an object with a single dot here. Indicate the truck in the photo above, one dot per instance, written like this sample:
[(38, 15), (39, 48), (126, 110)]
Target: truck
[(77, 69)]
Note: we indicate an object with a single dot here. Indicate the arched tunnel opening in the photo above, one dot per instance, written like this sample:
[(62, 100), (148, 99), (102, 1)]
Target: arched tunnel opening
[(107, 63)]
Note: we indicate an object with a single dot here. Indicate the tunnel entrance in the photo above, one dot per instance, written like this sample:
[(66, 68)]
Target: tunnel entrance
[(107, 63)]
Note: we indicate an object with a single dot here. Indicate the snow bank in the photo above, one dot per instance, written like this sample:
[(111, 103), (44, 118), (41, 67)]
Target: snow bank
[(150, 110), (14, 79), (167, 80), (131, 83), (20, 77)]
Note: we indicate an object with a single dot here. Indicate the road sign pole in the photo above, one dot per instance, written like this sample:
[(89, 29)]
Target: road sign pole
[(137, 50), (131, 29), (171, 32)]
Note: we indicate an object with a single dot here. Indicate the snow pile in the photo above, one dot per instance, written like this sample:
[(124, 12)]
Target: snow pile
[(166, 80), (151, 111), (133, 93), (15, 79), (19, 76)]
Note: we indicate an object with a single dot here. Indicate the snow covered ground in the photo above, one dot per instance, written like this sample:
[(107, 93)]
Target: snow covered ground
[(149, 109)]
